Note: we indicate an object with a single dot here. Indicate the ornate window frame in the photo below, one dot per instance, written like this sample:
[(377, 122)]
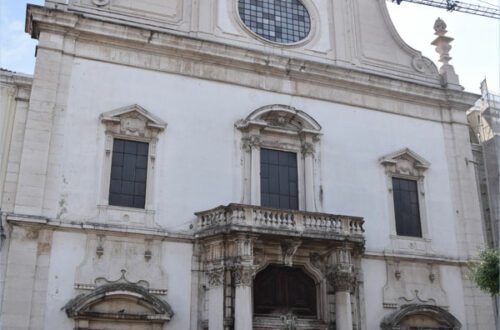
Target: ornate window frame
[(407, 164), (280, 127), (132, 123)]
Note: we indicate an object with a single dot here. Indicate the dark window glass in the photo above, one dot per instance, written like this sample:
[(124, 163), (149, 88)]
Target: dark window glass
[(128, 173), (278, 179), (406, 207), (283, 21), (281, 290)]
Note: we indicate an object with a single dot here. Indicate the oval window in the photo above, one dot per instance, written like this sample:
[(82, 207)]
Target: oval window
[(283, 21)]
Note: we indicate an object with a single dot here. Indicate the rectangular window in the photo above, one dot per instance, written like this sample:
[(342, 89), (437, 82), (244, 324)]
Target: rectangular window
[(128, 173), (278, 179), (406, 208)]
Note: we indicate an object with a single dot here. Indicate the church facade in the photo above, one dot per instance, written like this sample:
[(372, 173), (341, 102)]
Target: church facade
[(236, 164)]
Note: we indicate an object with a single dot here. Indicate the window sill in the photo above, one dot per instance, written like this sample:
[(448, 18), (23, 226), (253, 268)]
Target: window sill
[(125, 215), (411, 245)]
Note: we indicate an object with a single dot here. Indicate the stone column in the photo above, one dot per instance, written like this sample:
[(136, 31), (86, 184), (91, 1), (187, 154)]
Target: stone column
[(343, 312), (343, 280), (243, 313), (216, 298)]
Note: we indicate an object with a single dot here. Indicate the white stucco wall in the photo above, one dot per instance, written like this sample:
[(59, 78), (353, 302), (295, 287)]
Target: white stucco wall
[(199, 153), (68, 252)]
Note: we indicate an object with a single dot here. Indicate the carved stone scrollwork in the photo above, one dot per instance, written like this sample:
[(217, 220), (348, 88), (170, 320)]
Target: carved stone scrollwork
[(253, 141), (342, 278), (288, 250), (215, 277), (242, 275), (100, 3), (308, 148)]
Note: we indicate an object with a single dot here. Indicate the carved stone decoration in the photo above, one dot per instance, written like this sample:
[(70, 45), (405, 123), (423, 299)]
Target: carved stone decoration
[(342, 278), (423, 65), (288, 250), (405, 162), (216, 277), (118, 301), (133, 121), (123, 279), (242, 275), (308, 148), (281, 117), (409, 283), (100, 3), (440, 27), (122, 262)]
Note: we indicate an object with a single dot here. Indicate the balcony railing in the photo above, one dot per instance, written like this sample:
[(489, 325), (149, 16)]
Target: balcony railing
[(250, 218)]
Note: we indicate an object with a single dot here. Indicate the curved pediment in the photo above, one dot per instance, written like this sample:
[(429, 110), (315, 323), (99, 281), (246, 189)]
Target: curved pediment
[(430, 317), (281, 117), (121, 301)]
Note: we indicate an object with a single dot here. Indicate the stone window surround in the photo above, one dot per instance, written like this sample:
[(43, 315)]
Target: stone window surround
[(132, 123), (406, 164), (284, 128), (313, 32)]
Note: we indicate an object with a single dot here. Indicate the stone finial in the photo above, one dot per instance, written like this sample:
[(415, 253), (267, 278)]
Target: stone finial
[(443, 47), (440, 27)]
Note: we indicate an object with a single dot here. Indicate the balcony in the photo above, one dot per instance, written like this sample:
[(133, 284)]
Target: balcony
[(280, 222)]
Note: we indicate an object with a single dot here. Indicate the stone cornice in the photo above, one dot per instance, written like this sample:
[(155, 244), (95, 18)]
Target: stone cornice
[(429, 259), (211, 60), (14, 78), (93, 227)]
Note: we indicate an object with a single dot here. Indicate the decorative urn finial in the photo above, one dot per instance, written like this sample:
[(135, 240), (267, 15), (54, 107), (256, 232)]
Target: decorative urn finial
[(440, 27), (443, 47)]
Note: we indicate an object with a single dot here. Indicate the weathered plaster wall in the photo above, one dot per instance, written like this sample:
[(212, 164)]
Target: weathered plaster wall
[(348, 163)]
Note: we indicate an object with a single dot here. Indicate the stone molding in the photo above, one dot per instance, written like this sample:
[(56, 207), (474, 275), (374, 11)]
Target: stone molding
[(327, 82), (391, 322), (79, 307)]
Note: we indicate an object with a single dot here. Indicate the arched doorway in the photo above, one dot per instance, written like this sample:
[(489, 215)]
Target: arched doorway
[(280, 290)]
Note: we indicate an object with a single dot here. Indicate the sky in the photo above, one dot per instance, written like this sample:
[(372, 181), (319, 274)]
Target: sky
[(475, 52)]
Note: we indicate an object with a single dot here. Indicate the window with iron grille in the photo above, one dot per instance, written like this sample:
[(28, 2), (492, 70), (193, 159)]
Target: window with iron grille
[(128, 173), (406, 207), (278, 179)]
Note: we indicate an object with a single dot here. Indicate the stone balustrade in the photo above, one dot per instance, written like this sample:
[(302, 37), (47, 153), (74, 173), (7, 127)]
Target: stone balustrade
[(250, 218)]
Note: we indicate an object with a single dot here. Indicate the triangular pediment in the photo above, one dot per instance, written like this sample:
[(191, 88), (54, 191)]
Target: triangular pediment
[(405, 162), (408, 155), (137, 112)]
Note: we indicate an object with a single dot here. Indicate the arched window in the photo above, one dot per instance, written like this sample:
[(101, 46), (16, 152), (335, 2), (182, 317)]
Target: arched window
[(282, 290), (280, 157)]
